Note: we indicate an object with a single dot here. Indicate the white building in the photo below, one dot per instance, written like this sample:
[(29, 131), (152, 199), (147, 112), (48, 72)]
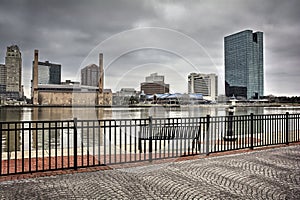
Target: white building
[(155, 78), (205, 84)]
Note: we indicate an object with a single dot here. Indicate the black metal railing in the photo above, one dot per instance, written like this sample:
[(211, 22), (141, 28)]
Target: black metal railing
[(34, 146)]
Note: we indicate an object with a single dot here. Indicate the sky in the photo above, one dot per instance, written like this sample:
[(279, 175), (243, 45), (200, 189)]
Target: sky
[(139, 37)]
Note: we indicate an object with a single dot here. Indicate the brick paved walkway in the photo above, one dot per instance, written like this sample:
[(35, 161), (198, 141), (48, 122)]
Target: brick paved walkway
[(266, 174)]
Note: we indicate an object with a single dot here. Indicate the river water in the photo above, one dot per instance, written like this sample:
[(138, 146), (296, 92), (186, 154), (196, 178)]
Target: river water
[(68, 113)]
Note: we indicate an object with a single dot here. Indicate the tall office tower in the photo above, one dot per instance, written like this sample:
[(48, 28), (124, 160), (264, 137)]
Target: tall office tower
[(206, 84), (155, 85), (13, 63), (244, 64), (90, 75), (48, 73), (2, 78)]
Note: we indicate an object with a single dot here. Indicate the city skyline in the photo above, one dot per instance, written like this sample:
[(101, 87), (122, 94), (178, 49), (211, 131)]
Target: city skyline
[(67, 32)]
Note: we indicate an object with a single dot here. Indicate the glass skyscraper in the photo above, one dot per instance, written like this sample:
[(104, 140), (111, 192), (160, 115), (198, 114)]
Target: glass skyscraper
[(244, 64), (48, 73)]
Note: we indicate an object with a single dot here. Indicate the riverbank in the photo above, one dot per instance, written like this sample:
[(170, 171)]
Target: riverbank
[(162, 105)]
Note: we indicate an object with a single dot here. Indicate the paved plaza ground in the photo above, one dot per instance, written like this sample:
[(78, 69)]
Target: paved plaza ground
[(264, 174)]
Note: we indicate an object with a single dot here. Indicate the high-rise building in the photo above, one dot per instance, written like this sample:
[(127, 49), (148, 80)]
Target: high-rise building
[(155, 85), (205, 84), (90, 75), (2, 78), (49, 73), (244, 64), (13, 65)]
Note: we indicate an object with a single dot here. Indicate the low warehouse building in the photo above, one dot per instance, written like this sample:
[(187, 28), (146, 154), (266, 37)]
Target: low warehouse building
[(69, 94)]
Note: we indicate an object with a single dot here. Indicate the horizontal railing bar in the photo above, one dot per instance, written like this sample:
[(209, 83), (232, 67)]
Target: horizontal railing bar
[(143, 119), (36, 129), (35, 121)]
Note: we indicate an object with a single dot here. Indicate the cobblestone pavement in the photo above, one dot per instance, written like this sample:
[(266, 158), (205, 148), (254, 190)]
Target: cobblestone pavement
[(266, 174)]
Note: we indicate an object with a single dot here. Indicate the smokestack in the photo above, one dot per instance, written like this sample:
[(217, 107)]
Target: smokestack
[(101, 73), (35, 99), (35, 69)]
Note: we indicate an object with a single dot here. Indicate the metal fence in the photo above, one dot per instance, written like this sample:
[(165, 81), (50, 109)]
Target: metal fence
[(33, 146)]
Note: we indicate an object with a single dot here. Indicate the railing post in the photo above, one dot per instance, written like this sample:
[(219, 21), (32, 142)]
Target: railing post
[(252, 130), (1, 148), (287, 128), (75, 143), (207, 134), (150, 138)]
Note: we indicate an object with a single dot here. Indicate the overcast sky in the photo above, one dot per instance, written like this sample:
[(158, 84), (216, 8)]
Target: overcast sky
[(173, 38)]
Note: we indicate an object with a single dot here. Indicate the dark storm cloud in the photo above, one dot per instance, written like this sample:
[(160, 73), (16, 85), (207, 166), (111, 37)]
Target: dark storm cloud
[(67, 31), (64, 31)]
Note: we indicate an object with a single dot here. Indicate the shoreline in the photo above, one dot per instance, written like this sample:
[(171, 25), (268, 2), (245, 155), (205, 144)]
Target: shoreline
[(157, 105)]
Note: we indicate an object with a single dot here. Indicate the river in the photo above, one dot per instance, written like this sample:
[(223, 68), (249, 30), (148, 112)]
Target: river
[(68, 113)]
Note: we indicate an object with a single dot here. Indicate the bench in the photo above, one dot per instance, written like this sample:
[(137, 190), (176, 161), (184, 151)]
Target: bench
[(168, 132)]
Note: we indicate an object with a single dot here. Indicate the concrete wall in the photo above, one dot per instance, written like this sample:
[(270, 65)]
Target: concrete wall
[(65, 98)]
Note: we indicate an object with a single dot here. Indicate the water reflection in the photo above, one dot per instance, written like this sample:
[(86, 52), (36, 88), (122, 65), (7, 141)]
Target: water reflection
[(11, 142), (69, 113), (11, 113)]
